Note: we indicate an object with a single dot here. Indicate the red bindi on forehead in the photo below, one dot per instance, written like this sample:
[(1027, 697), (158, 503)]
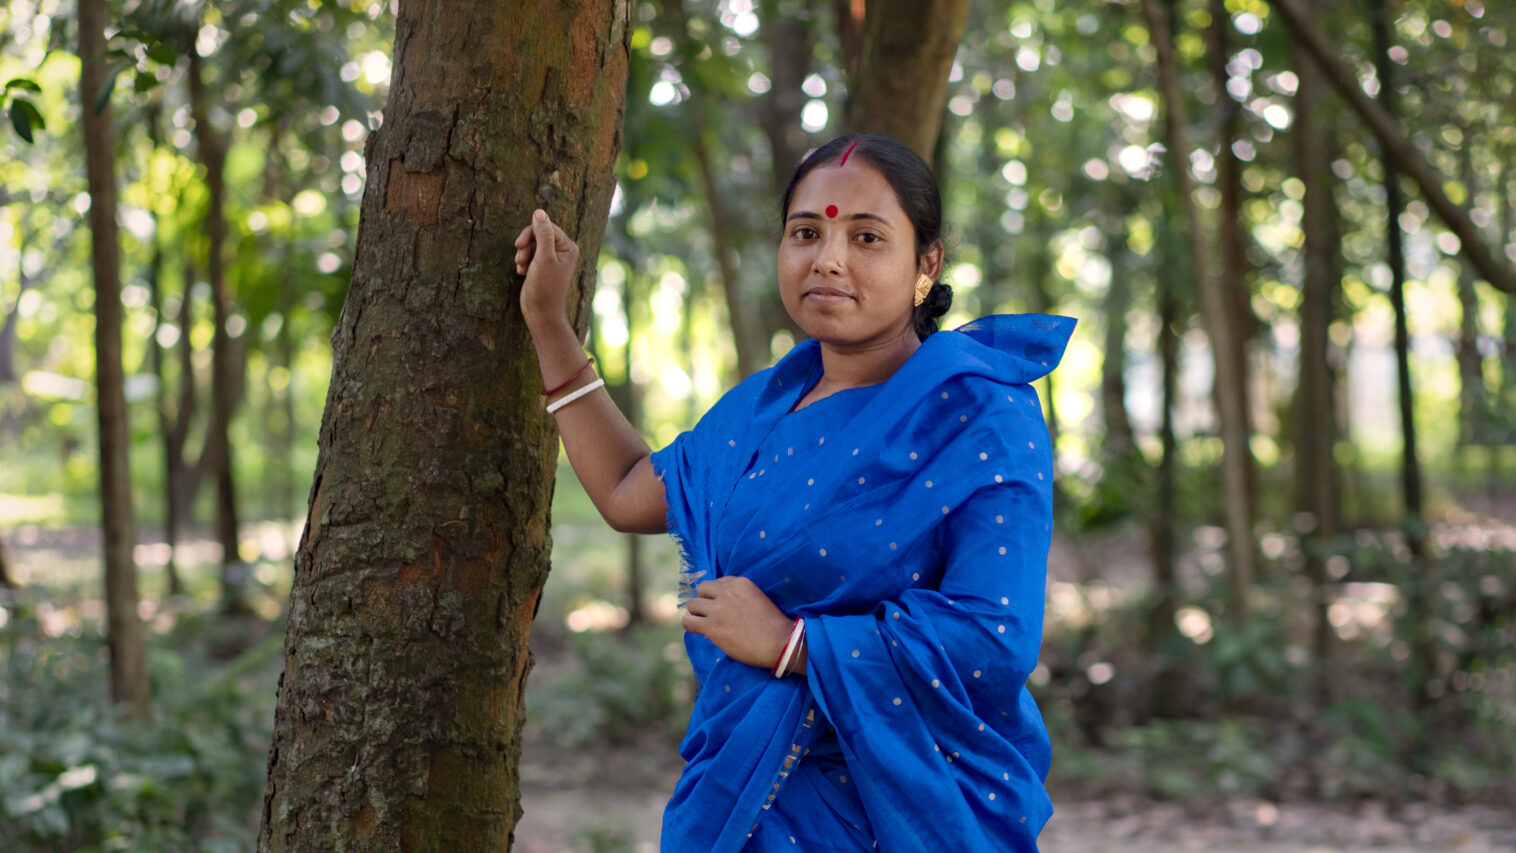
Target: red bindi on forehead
[(831, 211)]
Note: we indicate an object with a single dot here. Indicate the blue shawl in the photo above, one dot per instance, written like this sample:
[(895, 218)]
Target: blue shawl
[(912, 535)]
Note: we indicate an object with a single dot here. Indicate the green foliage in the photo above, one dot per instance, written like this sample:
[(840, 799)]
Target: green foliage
[(620, 687), (76, 775)]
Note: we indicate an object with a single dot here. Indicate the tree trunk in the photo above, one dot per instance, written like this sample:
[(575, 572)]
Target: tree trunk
[(1473, 404), (901, 85), (426, 545), (1119, 440), (746, 321), (1380, 118), (124, 629), (1167, 699), (1314, 427), (1235, 292), (1230, 376), (223, 381), (155, 356), (1423, 652)]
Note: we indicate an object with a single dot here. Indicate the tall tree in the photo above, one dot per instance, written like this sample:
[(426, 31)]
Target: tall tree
[(124, 629), (400, 711), (1230, 384), (1423, 651), (224, 390), (1315, 425), (901, 84)]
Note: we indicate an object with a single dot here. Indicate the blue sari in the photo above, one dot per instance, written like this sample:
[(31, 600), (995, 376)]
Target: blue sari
[(908, 522)]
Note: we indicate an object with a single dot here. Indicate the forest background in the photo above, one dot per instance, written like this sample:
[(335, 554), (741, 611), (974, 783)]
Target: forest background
[(1297, 582)]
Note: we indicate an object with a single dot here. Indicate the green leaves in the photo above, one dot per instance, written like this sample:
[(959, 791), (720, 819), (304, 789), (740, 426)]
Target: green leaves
[(25, 117)]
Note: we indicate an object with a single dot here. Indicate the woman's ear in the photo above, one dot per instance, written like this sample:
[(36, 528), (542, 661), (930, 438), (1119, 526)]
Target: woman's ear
[(931, 262)]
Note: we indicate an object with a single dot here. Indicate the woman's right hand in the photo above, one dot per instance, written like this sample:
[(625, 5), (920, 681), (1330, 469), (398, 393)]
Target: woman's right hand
[(548, 259)]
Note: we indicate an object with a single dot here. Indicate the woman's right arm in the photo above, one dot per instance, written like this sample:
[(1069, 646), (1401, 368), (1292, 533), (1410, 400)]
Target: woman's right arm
[(611, 460)]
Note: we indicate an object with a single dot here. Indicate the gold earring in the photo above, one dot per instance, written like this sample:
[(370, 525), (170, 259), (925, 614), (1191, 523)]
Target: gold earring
[(923, 287)]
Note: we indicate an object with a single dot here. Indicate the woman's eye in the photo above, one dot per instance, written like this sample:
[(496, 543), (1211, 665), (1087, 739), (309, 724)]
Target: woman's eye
[(803, 233), (868, 237)]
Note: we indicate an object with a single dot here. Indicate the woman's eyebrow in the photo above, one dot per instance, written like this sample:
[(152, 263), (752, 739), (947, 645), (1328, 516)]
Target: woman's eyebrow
[(806, 214)]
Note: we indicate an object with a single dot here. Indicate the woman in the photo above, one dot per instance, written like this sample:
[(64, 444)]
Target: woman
[(865, 526)]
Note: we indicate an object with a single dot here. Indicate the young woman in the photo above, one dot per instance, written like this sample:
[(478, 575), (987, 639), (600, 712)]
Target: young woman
[(865, 527)]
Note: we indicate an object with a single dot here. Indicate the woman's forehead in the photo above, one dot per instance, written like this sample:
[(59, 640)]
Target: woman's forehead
[(856, 187)]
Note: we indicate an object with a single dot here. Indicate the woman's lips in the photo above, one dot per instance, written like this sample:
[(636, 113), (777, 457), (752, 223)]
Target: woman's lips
[(828, 294)]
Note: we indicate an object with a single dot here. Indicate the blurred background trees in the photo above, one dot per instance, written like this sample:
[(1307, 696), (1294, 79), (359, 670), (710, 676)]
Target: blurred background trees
[(1297, 578)]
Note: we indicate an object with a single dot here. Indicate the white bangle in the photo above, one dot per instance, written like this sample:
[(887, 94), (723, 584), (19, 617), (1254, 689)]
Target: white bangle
[(782, 667), (574, 395)]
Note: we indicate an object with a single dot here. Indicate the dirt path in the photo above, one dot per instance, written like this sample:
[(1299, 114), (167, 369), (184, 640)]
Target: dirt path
[(613, 801)]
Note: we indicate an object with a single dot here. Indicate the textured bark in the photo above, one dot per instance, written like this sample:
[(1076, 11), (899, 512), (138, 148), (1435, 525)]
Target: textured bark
[(124, 631), (901, 85), (425, 549), (224, 392), (850, 15), (1315, 432), (1230, 377), (1397, 148)]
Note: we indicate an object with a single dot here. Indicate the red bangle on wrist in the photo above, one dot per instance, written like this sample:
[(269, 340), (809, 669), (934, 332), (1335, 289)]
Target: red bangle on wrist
[(565, 383)]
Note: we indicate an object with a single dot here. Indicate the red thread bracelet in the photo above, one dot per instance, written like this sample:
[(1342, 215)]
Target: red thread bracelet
[(565, 383)]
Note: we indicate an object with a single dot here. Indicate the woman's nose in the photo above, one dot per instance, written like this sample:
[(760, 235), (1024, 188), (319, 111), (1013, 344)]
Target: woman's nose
[(830, 259)]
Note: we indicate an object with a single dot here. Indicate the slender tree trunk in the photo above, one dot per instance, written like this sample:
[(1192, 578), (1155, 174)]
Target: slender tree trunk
[(1473, 404), (400, 711), (1167, 701), (1230, 376), (1418, 600), (183, 478), (1119, 440), (901, 85), (155, 356), (1315, 433), (1235, 292), (224, 391), (124, 630), (1380, 118)]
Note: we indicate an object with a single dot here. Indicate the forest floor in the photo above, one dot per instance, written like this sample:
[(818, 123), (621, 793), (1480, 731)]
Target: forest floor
[(612, 800)]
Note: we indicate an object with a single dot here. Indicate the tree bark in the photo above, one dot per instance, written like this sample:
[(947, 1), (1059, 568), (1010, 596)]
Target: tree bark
[(1315, 432), (1230, 377), (1381, 121), (400, 711), (224, 392), (901, 85), (1473, 402), (124, 630)]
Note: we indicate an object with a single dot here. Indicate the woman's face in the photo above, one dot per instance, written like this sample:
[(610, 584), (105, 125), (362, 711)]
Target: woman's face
[(847, 262)]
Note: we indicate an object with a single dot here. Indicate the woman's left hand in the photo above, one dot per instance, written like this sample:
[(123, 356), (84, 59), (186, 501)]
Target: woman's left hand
[(733, 613)]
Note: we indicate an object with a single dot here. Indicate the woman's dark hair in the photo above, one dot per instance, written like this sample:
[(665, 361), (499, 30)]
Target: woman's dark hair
[(914, 186)]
